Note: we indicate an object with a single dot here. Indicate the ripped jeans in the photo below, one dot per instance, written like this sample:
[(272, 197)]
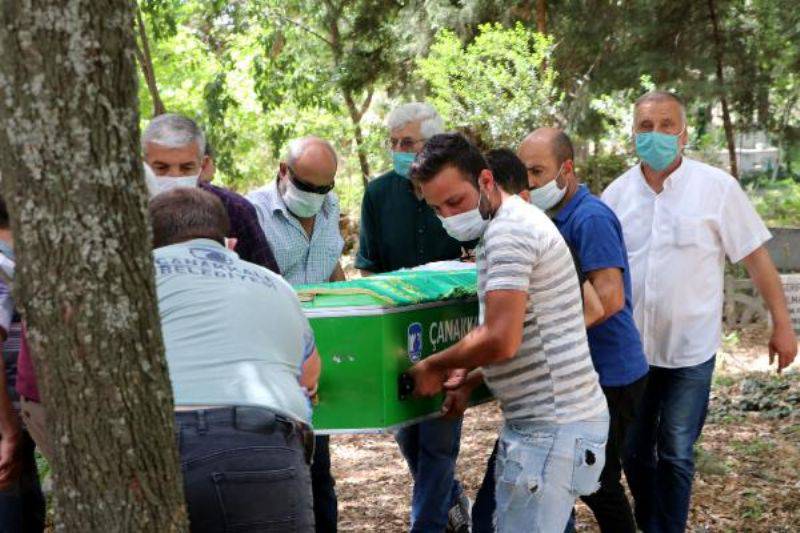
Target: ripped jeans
[(542, 468)]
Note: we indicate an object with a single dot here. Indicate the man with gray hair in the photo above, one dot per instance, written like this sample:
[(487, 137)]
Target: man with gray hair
[(680, 218), (175, 150), (299, 214), (399, 230)]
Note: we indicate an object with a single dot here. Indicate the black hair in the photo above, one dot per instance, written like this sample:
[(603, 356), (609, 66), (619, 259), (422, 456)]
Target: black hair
[(185, 213), (448, 150), (509, 172), (562, 148)]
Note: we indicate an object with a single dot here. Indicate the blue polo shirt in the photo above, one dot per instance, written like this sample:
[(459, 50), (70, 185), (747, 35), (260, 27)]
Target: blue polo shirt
[(594, 233)]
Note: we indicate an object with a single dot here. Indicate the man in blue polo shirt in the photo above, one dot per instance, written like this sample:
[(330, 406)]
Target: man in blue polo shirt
[(593, 232)]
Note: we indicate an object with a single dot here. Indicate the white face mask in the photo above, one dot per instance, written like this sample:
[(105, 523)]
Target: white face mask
[(301, 203), (549, 195), (151, 181), (466, 226)]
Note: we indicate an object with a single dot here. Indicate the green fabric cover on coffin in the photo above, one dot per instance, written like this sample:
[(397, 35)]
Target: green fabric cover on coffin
[(370, 330)]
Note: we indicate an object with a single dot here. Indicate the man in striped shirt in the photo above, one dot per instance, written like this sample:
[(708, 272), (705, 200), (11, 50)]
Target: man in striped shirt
[(530, 346)]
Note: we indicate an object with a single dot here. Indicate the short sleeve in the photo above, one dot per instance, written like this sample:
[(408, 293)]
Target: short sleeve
[(741, 229), (511, 252), (309, 344), (598, 243), (368, 257)]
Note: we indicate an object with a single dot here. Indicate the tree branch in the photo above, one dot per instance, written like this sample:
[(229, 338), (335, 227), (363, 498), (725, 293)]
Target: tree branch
[(367, 102), (311, 31), (146, 62)]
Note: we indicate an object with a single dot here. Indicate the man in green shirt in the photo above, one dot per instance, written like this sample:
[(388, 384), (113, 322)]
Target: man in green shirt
[(399, 230)]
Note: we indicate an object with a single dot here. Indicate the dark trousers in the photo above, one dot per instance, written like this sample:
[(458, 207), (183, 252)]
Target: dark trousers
[(484, 506), (659, 462), (22, 506), (326, 514), (609, 504), (245, 470)]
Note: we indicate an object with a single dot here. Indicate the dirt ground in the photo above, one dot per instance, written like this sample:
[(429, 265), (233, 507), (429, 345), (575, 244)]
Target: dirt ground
[(747, 461)]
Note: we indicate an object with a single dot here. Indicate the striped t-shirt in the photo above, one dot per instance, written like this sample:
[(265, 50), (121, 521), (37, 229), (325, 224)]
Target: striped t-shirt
[(551, 377)]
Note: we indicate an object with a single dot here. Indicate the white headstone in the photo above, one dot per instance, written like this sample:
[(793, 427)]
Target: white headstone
[(791, 286)]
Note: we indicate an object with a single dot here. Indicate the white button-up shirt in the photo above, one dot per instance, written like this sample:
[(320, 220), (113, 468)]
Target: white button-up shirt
[(677, 241), (301, 258)]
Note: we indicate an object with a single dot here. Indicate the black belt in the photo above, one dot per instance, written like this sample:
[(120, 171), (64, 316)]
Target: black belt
[(253, 419)]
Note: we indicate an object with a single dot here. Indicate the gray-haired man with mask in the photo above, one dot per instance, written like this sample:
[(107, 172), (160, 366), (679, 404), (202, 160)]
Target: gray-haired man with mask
[(299, 213)]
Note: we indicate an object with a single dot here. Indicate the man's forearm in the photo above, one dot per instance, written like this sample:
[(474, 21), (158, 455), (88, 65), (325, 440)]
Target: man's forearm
[(765, 277), (479, 347), (473, 380)]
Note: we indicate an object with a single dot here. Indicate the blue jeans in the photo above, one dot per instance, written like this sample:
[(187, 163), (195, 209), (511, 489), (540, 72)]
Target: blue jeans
[(244, 469), (542, 468), (431, 449), (22, 506), (659, 462)]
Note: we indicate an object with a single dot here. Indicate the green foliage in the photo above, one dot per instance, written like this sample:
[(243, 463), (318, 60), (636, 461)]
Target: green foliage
[(598, 171), (257, 73), (778, 202), (498, 87)]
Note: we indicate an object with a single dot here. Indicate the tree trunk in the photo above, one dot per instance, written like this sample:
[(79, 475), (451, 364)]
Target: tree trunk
[(146, 62), (72, 178), (358, 134), (726, 116), (333, 14), (541, 16)]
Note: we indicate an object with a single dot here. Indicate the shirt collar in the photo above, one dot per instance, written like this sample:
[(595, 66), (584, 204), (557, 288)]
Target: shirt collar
[(672, 180), (567, 211)]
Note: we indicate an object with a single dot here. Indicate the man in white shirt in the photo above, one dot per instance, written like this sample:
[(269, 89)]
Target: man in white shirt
[(680, 218)]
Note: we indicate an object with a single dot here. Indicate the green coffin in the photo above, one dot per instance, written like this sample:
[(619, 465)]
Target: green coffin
[(370, 330)]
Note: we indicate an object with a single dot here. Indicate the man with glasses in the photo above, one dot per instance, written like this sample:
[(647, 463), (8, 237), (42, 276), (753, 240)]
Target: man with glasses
[(399, 230), (680, 218), (299, 213)]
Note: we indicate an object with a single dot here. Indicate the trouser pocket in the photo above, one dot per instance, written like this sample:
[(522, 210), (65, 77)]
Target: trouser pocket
[(520, 469), (588, 463), (256, 501)]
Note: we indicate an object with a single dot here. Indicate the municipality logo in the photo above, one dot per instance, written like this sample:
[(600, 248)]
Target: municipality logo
[(211, 255), (415, 342)]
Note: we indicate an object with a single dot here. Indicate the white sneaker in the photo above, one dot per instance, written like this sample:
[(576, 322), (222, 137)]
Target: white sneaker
[(458, 517)]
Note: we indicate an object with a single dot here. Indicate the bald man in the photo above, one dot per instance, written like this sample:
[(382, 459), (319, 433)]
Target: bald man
[(594, 234), (299, 213)]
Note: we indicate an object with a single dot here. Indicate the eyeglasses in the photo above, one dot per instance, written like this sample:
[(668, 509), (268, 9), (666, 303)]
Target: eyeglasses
[(406, 143), (309, 187)]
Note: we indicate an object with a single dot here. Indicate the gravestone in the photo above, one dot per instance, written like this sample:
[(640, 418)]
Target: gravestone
[(791, 286)]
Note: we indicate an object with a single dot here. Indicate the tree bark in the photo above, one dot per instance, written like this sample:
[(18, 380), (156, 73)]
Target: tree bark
[(72, 178), (334, 42), (726, 116), (541, 16), (358, 134), (146, 63)]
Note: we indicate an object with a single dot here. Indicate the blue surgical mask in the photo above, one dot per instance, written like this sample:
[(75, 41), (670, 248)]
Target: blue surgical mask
[(657, 149), (402, 162)]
